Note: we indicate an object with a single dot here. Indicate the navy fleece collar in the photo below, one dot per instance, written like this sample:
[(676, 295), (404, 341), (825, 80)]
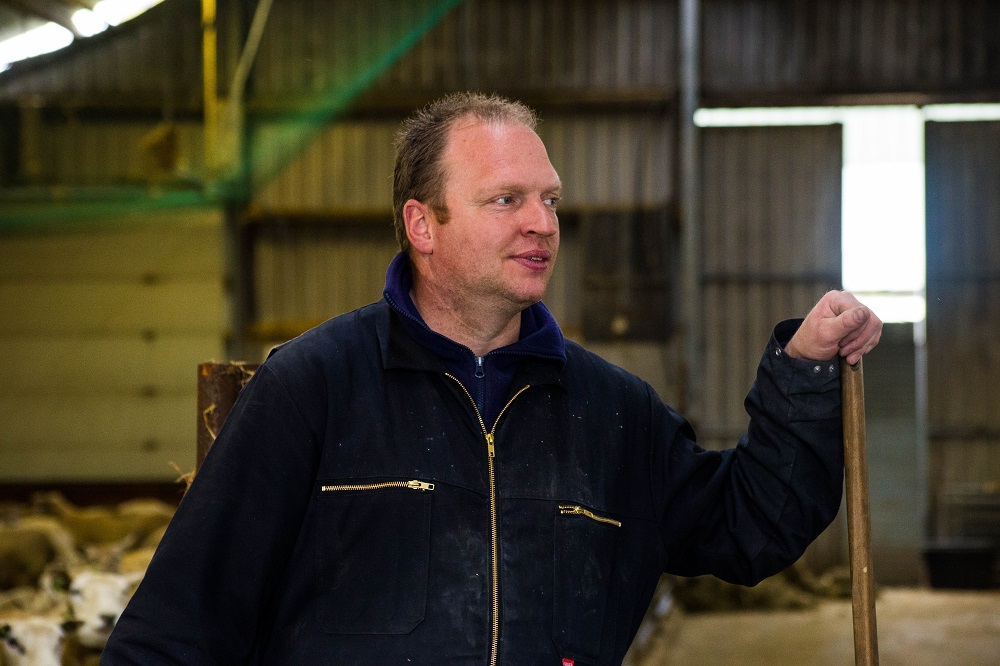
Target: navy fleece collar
[(487, 379), (540, 334)]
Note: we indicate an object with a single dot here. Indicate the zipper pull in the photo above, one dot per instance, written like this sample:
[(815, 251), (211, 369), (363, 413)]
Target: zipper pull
[(570, 510), (419, 485), (489, 444), (480, 371)]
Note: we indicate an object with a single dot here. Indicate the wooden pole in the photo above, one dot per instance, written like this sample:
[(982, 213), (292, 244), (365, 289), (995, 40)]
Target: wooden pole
[(218, 386), (858, 514)]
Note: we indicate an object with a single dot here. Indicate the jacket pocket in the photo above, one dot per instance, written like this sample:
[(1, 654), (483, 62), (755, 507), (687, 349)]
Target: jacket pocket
[(586, 557), (373, 550)]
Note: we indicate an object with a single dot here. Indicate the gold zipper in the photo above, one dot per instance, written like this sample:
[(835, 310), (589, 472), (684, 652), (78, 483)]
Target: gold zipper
[(490, 436), (412, 485), (574, 510)]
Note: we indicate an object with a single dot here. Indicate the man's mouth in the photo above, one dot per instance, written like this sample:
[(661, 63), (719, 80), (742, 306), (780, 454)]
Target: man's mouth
[(534, 260), (535, 255)]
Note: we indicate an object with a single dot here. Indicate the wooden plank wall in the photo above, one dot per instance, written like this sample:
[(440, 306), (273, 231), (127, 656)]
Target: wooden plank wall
[(963, 315), (103, 329)]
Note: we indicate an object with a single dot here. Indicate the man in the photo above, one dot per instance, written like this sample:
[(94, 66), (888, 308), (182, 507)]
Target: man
[(440, 478)]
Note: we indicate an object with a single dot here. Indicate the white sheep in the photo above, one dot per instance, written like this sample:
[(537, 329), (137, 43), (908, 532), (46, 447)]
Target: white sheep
[(32, 640), (96, 600)]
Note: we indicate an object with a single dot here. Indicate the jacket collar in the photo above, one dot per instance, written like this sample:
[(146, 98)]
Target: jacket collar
[(407, 342)]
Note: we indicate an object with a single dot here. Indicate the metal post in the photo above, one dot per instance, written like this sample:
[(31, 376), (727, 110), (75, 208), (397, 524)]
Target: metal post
[(689, 173), (210, 73)]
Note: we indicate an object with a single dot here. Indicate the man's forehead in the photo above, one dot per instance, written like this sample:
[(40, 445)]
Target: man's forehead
[(500, 154)]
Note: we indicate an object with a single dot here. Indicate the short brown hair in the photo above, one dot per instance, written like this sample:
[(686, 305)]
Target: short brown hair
[(421, 140)]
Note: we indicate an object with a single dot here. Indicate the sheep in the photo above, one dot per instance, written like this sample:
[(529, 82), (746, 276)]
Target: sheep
[(136, 561), (97, 525), (96, 599), (32, 600), (29, 545), (32, 640)]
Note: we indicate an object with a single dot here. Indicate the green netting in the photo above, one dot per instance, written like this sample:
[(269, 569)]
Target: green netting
[(398, 26)]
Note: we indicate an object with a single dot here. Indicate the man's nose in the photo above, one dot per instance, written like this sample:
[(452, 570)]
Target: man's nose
[(540, 218)]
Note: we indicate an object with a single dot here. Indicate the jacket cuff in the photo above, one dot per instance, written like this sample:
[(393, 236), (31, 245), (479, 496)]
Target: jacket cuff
[(799, 374)]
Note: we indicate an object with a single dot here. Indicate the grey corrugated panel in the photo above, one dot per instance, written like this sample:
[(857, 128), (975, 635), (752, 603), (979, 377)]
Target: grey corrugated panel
[(963, 307), (963, 188), (963, 278), (315, 273), (345, 166), (771, 248), (527, 44), (611, 160), (314, 46), (562, 297), (839, 46), (311, 273), (963, 357), (616, 161), (99, 153), (850, 45), (760, 187)]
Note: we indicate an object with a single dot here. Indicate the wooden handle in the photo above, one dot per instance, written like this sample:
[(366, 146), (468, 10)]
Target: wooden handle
[(858, 515)]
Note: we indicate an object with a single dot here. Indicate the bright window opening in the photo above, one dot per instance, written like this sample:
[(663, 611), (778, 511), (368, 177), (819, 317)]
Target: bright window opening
[(883, 205), (882, 221), (883, 210)]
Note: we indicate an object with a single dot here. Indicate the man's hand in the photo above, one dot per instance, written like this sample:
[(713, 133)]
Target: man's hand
[(838, 324)]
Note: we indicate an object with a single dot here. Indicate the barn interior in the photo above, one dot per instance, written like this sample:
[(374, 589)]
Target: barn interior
[(209, 178)]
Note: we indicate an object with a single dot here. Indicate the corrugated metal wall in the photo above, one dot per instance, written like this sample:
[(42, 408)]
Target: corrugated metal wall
[(963, 320), (103, 329), (488, 44), (771, 202), (65, 151), (154, 59), (771, 250), (349, 166), (793, 48), (305, 273), (308, 273), (603, 72), (781, 48)]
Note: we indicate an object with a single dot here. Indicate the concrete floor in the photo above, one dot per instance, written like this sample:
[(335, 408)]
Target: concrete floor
[(916, 627)]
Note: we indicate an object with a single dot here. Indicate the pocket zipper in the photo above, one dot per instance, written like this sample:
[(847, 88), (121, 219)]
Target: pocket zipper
[(412, 485), (574, 510)]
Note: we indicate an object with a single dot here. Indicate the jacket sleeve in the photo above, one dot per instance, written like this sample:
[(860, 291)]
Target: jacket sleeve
[(746, 513), (216, 567)]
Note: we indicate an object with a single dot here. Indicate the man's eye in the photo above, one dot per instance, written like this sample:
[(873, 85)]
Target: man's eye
[(552, 201), (505, 200)]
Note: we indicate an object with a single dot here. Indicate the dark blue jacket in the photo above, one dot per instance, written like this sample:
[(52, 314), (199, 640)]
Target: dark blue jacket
[(541, 537)]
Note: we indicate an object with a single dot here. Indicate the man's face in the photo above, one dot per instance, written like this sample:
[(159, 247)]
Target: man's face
[(500, 242)]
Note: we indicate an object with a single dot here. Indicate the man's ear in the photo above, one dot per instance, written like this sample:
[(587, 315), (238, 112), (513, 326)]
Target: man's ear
[(417, 220)]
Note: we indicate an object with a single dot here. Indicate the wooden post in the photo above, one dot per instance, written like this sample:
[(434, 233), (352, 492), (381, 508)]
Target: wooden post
[(858, 514), (218, 386)]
